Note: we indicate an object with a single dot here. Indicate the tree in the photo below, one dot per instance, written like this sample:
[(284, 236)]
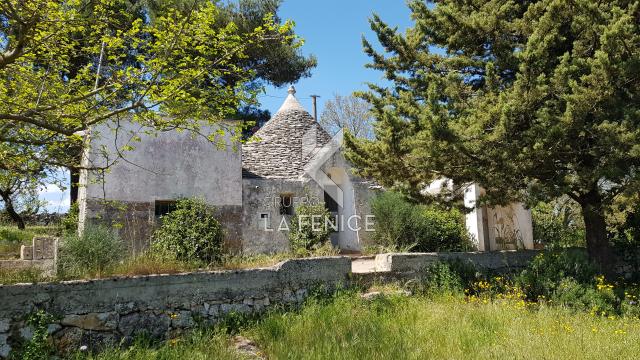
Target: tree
[(348, 112), (19, 195), (531, 100), (68, 65)]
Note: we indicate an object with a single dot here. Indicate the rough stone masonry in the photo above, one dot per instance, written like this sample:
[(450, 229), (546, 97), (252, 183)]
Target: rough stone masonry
[(99, 313)]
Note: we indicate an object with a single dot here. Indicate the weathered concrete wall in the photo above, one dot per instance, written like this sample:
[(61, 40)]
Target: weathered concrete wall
[(261, 196), (41, 255), (102, 312), (134, 221), (165, 166), (415, 262)]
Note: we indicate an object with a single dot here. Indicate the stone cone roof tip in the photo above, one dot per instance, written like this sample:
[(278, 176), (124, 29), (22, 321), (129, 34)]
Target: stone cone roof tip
[(285, 143), (291, 103)]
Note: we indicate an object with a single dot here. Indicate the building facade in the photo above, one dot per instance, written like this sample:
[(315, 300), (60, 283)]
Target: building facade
[(255, 187)]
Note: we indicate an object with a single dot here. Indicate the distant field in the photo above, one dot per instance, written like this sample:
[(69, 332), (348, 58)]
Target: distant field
[(415, 328), (11, 238)]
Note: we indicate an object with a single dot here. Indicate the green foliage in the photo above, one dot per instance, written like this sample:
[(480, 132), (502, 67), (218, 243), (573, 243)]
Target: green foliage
[(38, 348), (530, 100), (558, 224), (90, 254), (190, 233), (445, 278), (419, 228), (623, 221), (204, 344), (568, 278), (310, 228), (29, 275), (185, 67), (547, 270), (70, 221)]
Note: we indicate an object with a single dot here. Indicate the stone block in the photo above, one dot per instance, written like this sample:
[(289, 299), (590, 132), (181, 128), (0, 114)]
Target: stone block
[(26, 252), (4, 325), (155, 326), (49, 247), (182, 320), (214, 310), (5, 349), (92, 321)]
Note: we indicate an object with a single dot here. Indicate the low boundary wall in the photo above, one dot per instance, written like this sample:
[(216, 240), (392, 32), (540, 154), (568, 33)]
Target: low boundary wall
[(102, 312), (497, 261), (98, 313)]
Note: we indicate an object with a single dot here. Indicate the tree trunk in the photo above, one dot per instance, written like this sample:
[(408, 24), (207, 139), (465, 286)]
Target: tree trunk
[(73, 186), (596, 231), (8, 206)]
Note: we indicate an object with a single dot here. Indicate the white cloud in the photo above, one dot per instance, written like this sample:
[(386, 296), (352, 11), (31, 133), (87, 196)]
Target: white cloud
[(57, 200)]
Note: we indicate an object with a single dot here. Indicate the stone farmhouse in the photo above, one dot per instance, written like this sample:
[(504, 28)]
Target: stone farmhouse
[(255, 187)]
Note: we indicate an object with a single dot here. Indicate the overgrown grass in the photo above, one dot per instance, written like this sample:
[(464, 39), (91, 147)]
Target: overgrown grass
[(443, 327), (418, 327), (147, 264), (201, 344), (15, 276)]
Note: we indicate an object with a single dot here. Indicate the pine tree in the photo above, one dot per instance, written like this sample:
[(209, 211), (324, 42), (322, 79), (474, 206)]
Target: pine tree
[(529, 99)]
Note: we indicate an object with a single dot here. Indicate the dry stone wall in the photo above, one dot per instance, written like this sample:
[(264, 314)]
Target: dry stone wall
[(99, 313)]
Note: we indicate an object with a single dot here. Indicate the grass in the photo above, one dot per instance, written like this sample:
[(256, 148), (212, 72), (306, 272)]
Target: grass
[(145, 265), (203, 344), (421, 328), (441, 327), (14, 276)]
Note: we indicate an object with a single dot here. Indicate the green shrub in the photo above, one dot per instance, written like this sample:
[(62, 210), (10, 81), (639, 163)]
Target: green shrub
[(420, 228), (70, 221), (38, 347), (92, 253), (190, 233), (445, 277), (572, 294), (547, 270), (568, 278), (310, 228)]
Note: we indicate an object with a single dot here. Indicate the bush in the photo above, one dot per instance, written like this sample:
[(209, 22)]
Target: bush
[(547, 270), (448, 277), (92, 253), (190, 232), (568, 278), (69, 222), (309, 228), (419, 228)]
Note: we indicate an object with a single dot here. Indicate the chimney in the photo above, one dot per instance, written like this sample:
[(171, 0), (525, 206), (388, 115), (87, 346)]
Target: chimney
[(315, 106)]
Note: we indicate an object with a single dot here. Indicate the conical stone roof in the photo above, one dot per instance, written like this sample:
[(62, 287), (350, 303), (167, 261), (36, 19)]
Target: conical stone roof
[(284, 144)]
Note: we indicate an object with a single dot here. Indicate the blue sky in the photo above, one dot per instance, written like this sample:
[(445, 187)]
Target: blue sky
[(333, 32)]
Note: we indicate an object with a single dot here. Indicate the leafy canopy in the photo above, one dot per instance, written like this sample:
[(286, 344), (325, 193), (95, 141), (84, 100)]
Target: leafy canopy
[(539, 96), (531, 100), (68, 65)]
